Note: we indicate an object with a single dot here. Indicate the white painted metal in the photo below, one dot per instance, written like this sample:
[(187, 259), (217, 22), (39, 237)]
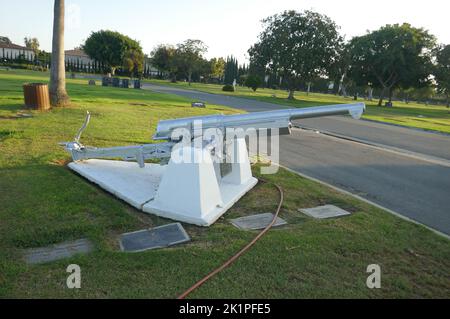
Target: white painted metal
[(241, 171), (193, 193), (257, 120)]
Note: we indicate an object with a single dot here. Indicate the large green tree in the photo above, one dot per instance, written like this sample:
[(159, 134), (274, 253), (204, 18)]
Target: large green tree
[(189, 57), (204, 71), (231, 70), (442, 70), (162, 58), (297, 46), (338, 71), (133, 62), (393, 56), (218, 68), (33, 44), (111, 48), (253, 82)]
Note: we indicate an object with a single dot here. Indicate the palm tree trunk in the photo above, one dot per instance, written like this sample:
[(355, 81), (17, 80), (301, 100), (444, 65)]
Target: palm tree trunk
[(58, 94)]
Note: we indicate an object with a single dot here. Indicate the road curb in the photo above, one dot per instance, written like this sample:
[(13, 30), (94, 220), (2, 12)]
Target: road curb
[(343, 191)]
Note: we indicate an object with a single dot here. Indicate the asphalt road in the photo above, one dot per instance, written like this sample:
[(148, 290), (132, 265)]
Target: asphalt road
[(416, 188)]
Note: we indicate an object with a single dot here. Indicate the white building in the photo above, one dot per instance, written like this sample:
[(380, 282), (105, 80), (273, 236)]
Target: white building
[(13, 51), (77, 55)]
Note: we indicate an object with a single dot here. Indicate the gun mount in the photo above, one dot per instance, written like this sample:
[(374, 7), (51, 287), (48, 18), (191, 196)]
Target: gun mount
[(196, 192)]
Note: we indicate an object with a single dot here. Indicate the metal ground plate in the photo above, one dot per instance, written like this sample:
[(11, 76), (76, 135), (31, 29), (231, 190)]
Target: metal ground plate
[(58, 251), (158, 237), (256, 222), (324, 212)]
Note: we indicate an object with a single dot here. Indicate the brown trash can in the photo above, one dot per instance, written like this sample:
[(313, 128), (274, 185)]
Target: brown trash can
[(37, 96)]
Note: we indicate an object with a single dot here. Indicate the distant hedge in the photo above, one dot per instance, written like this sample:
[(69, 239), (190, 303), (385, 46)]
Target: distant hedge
[(23, 66)]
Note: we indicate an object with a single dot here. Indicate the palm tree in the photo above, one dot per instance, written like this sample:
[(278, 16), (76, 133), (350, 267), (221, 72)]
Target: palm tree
[(58, 94)]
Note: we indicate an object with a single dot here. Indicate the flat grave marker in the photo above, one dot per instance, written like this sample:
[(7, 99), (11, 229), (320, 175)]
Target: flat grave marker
[(256, 222), (324, 212), (58, 251), (158, 237)]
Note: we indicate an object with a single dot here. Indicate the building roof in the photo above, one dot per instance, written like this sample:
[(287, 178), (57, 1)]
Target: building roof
[(13, 46), (76, 52)]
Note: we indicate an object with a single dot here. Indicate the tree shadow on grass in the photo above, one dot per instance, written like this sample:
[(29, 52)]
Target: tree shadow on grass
[(12, 108), (48, 204)]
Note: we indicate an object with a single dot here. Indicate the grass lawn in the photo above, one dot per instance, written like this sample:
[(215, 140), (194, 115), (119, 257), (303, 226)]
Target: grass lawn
[(42, 202), (429, 117)]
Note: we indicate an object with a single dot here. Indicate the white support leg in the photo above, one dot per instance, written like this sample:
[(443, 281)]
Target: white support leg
[(194, 193), (241, 171), (188, 192)]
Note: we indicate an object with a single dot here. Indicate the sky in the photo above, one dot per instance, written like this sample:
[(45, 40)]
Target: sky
[(228, 27)]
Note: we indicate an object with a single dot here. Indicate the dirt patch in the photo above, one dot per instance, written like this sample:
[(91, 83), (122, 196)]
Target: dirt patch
[(60, 162)]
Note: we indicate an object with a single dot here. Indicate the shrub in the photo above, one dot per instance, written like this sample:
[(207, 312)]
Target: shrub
[(23, 66), (242, 79), (253, 82), (228, 88)]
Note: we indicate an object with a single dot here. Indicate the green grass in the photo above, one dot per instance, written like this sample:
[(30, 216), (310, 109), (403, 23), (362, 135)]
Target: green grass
[(428, 117), (42, 202)]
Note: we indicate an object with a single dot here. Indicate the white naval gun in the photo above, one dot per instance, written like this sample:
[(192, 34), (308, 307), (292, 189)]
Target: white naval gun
[(205, 166)]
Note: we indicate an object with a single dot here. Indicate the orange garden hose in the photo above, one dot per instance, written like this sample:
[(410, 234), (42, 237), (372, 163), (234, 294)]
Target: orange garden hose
[(240, 253)]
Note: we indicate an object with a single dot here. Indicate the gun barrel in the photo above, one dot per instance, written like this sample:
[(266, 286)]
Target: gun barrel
[(356, 110), (258, 120)]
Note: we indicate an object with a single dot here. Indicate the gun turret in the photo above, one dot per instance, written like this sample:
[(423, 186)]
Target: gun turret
[(198, 184)]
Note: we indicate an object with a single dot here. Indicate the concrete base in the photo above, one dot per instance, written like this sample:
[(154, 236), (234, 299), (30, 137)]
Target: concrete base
[(125, 180), (167, 191)]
